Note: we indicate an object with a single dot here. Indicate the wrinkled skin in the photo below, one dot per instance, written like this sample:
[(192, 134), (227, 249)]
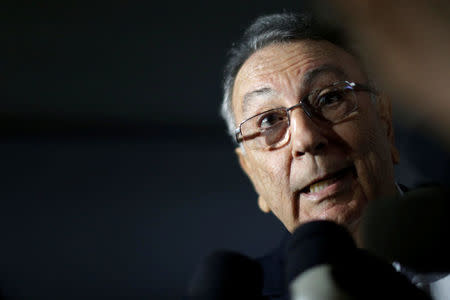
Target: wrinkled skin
[(364, 141)]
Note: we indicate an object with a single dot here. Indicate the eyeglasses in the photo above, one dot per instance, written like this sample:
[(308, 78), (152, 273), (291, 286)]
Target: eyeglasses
[(328, 106)]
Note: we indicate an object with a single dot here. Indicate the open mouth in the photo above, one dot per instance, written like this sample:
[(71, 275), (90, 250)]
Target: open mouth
[(328, 180)]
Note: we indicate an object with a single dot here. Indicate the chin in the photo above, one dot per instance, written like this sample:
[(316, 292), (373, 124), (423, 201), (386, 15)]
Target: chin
[(343, 214), (347, 213)]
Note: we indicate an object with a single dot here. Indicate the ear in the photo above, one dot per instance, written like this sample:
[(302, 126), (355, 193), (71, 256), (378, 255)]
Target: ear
[(247, 170), (385, 114), (263, 205)]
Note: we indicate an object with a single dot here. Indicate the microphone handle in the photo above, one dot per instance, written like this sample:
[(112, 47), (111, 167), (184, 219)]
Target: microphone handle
[(317, 283)]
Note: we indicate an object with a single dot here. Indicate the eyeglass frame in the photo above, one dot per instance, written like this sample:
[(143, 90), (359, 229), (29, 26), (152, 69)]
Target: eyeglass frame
[(306, 107)]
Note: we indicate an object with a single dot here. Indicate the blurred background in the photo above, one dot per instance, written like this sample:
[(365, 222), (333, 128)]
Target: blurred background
[(117, 175)]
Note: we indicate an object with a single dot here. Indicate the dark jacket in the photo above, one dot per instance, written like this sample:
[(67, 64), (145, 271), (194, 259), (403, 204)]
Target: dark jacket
[(273, 265)]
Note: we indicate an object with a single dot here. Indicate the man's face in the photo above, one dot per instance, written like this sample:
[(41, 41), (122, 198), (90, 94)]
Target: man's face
[(323, 172)]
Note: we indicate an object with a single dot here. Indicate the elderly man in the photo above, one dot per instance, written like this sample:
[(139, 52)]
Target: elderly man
[(313, 135), (315, 139)]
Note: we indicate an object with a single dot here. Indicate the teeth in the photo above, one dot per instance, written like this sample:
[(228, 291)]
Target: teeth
[(317, 187)]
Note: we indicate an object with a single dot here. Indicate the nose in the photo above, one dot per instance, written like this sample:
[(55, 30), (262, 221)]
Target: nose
[(306, 135)]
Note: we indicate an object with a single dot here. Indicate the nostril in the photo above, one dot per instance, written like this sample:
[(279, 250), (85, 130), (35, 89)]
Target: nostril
[(313, 150), (299, 153)]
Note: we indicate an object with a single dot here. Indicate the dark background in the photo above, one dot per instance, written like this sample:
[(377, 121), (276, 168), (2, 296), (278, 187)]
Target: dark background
[(117, 176)]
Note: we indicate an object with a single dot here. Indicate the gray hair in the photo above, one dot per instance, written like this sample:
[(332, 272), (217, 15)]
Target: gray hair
[(267, 30)]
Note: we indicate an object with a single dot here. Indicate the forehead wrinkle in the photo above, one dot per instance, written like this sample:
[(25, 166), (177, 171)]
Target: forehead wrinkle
[(292, 59), (260, 73), (285, 66), (263, 65)]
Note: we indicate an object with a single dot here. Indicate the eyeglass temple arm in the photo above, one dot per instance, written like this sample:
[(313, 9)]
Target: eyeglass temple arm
[(237, 135)]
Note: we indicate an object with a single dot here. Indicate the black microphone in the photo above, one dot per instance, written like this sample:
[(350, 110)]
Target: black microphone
[(412, 229), (323, 262), (227, 275)]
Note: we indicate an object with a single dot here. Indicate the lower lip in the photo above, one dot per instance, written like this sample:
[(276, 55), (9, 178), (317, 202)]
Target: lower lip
[(341, 185)]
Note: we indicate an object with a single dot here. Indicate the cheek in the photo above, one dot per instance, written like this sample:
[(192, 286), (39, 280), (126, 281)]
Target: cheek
[(271, 179), (371, 156), (270, 173)]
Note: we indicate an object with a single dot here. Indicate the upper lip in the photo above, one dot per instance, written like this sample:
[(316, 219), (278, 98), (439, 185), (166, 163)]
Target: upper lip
[(323, 177)]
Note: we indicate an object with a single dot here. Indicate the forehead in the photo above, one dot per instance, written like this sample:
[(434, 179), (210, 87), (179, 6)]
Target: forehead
[(282, 68)]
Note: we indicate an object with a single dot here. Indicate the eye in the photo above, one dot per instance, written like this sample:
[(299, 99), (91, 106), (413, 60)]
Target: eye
[(330, 98), (271, 119)]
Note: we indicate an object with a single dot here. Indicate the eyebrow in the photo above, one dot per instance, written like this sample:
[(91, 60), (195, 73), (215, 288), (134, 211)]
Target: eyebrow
[(250, 95), (306, 81)]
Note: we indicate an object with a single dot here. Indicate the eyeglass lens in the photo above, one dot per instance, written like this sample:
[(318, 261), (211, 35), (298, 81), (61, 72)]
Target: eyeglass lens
[(271, 128)]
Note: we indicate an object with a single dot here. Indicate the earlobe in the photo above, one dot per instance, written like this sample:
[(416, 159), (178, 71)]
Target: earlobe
[(263, 205), (385, 113)]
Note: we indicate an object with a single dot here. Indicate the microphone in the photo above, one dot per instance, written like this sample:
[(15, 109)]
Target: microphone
[(323, 262), (226, 275), (411, 229)]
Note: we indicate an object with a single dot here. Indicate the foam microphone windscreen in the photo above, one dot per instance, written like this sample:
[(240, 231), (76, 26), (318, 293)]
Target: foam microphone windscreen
[(323, 262), (315, 243), (412, 229), (226, 275)]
